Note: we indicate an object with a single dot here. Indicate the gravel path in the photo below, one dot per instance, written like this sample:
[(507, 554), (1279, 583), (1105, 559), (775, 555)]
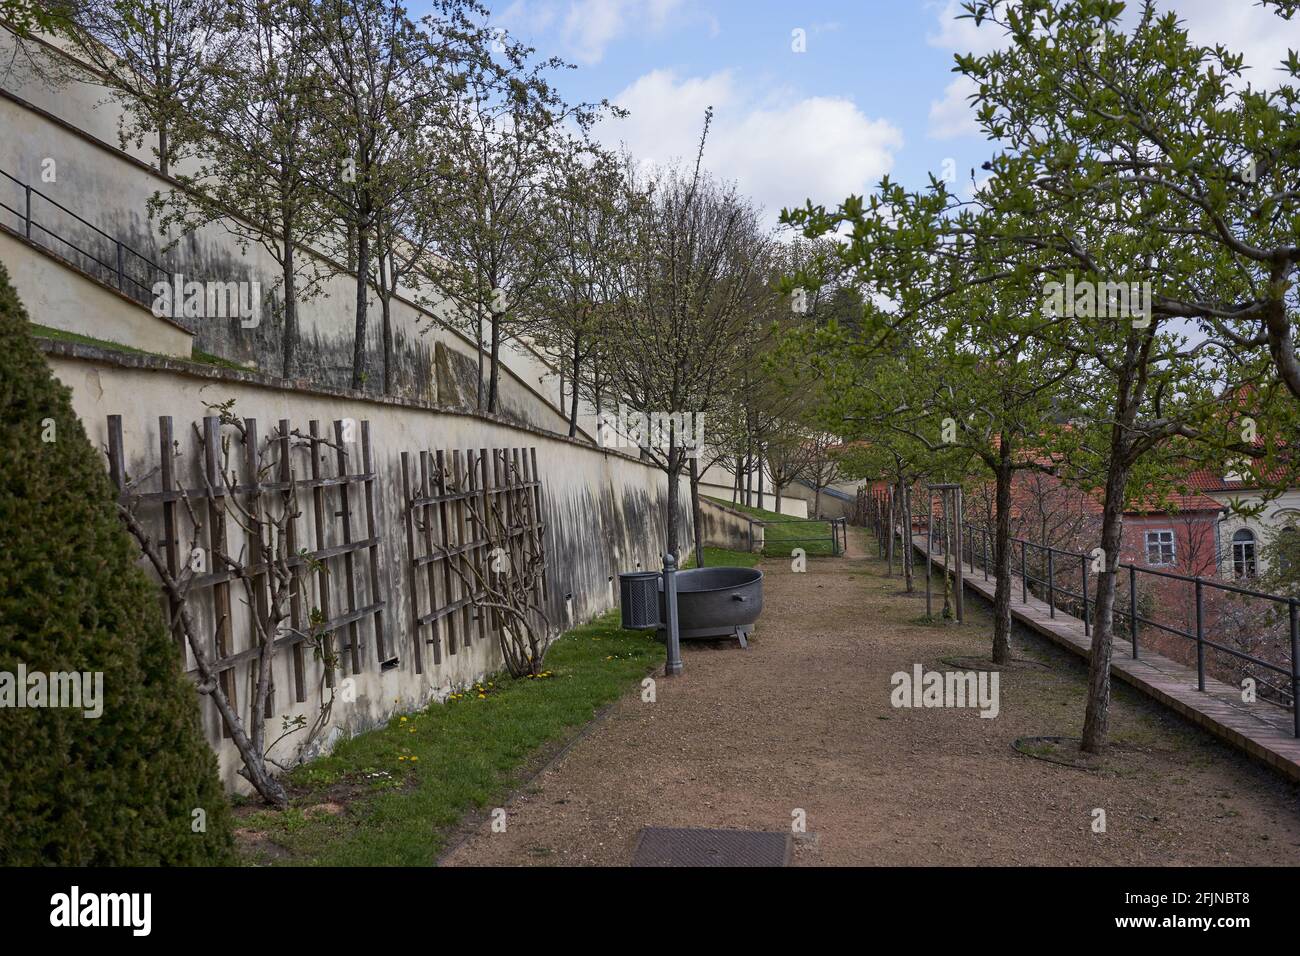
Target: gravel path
[(802, 721)]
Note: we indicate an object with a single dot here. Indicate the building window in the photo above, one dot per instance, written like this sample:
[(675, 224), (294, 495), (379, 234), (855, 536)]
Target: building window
[(1287, 540), (1160, 547), (1243, 554)]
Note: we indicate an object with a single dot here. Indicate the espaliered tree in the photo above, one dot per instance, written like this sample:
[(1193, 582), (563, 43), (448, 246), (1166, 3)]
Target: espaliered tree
[(1116, 259)]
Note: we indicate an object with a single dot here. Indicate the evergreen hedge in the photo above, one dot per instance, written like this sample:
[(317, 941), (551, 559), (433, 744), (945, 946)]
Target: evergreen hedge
[(120, 789)]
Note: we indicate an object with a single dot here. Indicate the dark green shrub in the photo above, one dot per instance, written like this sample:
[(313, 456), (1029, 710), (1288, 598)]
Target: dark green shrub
[(119, 789)]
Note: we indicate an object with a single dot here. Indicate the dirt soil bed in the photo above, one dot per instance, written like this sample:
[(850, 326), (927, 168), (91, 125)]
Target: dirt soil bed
[(802, 721)]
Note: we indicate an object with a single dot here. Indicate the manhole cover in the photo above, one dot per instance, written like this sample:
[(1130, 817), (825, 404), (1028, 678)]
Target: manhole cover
[(667, 846)]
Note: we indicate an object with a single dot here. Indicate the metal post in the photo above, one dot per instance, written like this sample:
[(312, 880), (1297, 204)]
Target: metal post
[(1024, 572), (880, 525), (1083, 588), (930, 549), (672, 635), (889, 533), (1051, 583), (27, 189), (1200, 640), (984, 552), (1295, 666), (960, 585), (1133, 604)]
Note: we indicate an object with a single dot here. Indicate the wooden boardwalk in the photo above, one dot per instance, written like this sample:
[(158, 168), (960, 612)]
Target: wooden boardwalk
[(1262, 730)]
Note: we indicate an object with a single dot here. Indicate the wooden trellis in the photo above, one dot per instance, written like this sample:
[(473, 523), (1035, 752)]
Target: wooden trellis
[(445, 506), (328, 512)]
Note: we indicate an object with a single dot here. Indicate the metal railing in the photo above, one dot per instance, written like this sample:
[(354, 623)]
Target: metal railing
[(836, 532), (115, 263), (1060, 579)]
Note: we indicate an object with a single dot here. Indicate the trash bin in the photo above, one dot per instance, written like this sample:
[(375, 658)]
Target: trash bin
[(638, 597)]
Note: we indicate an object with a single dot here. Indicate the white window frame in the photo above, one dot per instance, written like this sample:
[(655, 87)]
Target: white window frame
[(1239, 568), (1153, 537)]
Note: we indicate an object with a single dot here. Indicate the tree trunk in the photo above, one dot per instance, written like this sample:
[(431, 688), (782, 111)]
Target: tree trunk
[(289, 334), (749, 478), (695, 512), (359, 334), (478, 346), (947, 557), (674, 477), (905, 498), (1002, 558), (1097, 717), (776, 493), (386, 313), (573, 402), (760, 481), (164, 148), (495, 365), (386, 318)]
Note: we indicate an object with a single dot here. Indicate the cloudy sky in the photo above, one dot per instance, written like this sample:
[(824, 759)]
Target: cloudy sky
[(872, 91)]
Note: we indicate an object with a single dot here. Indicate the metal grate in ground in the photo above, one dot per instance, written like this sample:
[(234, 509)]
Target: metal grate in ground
[(668, 846)]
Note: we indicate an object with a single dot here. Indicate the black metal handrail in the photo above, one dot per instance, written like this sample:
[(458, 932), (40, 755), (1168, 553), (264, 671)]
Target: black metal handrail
[(122, 278), (1052, 589), (838, 531)]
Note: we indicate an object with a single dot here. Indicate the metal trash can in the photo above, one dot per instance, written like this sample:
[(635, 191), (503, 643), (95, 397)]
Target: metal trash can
[(638, 598)]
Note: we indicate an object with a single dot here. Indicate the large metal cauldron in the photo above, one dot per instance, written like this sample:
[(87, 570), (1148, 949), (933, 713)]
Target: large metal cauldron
[(717, 602)]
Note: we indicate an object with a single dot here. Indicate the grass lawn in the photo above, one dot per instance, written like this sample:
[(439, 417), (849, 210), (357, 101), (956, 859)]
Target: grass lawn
[(393, 796), (721, 557), (782, 533)]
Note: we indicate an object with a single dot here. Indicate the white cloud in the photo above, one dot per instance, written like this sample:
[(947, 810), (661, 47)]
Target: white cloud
[(526, 16), (1247, 28), (953, 116), (1242, 26), (962, 35), (586, 28), (780, 149)]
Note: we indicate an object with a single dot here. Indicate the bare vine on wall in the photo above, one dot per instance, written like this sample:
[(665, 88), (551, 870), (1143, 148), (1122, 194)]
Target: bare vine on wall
[(509, 584), (268, 571)]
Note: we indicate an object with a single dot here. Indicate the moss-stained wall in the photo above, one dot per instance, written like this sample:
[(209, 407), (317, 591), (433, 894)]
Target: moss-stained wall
[(604, 511), (60, 138)]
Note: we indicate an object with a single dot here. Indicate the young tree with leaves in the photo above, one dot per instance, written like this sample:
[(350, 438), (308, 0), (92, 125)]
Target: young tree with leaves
[(696, 275), (157, 58)]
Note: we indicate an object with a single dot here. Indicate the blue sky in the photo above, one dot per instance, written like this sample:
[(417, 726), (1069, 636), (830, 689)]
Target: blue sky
[(873, 92)]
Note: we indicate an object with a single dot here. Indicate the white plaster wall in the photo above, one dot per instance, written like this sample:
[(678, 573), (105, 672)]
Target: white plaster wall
[(63, 298), (604, 513)]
